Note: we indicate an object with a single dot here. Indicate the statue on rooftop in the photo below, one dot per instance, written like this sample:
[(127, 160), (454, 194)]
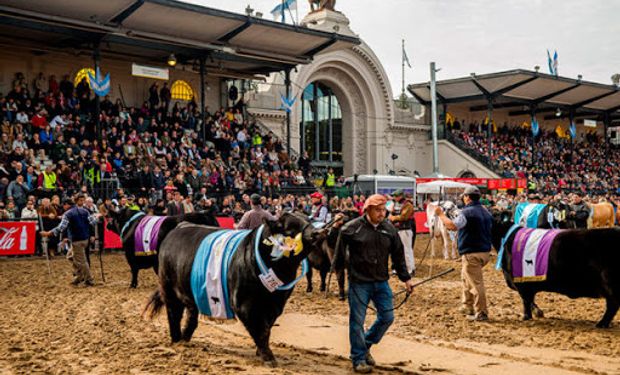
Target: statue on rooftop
[(317, 5)]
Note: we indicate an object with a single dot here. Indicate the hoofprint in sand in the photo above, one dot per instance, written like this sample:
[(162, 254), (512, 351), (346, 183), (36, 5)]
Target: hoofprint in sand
[(48, 326)]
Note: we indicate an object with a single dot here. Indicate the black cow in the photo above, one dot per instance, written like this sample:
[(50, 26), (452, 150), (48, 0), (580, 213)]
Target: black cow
[(322, 257), (137, 263), (252, 303), (582, 263)]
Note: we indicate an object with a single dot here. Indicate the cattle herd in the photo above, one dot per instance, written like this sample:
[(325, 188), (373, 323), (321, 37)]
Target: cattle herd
[(582, 263)]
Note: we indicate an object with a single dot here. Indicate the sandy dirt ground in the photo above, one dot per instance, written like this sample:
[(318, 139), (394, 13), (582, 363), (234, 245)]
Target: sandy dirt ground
[(49, 326)]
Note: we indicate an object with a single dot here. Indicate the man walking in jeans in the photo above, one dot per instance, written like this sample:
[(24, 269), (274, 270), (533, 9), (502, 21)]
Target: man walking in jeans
[(474, 242), (78, 221), (367, 242)]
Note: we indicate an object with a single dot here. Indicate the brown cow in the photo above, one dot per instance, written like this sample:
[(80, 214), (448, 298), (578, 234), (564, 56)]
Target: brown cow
[(602, 215)]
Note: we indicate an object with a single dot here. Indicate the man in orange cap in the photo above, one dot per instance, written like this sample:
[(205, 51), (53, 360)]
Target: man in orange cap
[(320, 212), (367, 242)]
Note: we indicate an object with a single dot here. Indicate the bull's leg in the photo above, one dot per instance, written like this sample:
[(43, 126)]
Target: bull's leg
[(527, 297), (134, 277), (259, 329), (309, 280), (341, 295), (191, 324), (610, 313), (174, 309), (324, 271)]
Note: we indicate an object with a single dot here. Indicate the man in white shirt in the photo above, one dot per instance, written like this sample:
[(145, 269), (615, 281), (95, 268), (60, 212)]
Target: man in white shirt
[(59, 120)]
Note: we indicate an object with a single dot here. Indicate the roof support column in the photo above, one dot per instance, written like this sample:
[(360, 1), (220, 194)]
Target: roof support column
[(287, 82), (433, 88), (533, 108), (490, 128), (202, 98), (606, 123), (96, 58), (445, 120)]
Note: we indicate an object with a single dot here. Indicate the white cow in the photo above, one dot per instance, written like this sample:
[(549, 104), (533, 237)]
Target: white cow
[(437, 228)]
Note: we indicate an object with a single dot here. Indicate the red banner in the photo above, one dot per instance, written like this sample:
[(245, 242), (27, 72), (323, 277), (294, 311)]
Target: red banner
[(493, 184), (226, 222), (507, 183), (420, 222), (521, 183), (17, 238), (111, 240)]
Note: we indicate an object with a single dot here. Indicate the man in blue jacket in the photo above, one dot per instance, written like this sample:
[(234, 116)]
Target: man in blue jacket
[(77, 220), (474, 243)]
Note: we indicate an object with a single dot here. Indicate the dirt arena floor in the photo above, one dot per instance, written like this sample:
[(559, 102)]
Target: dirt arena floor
[(49, 326)]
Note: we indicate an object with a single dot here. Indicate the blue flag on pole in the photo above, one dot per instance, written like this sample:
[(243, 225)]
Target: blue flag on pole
[(550, 63), (535, 127), (280, 10), (287, 103), (101, 86), (555, 63), (573, 130)]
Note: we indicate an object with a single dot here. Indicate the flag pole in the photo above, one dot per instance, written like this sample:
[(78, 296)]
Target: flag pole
[(403, 67)]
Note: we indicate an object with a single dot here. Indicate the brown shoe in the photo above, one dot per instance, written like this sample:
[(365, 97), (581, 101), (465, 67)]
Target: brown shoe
[(89, 283), (76, 282)]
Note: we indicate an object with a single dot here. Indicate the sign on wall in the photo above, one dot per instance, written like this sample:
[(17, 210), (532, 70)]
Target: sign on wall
[(144, 71), (589, 123), (17, 238)]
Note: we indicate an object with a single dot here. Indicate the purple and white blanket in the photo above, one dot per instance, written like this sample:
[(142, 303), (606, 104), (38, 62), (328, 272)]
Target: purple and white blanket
[(530, 254), (146, 233)]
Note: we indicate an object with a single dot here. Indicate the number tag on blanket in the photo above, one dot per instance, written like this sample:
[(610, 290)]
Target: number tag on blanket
[(270, 280)]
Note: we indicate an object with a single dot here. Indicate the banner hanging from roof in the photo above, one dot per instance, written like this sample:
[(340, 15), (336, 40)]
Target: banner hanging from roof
[(150, 72)]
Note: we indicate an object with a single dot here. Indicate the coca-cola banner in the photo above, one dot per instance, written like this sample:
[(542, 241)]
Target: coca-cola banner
[(17, 238)]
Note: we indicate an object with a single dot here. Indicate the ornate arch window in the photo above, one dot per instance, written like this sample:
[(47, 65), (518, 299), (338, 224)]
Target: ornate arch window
[(321, 125), (181, 90), (83, 73)]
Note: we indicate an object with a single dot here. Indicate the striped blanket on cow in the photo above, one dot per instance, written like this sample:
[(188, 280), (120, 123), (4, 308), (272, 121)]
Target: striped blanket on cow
[(145, 235), (210, 271), (530, 254), (527, 214)]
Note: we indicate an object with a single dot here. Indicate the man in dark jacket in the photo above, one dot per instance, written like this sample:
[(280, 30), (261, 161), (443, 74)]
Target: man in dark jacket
[(578, 212), (474, 225), (369, 241), (77, 220)]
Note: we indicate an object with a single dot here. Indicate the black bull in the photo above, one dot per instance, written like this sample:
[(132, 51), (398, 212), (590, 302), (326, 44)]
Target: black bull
[(251, 302), (137, 263), (582, 263)]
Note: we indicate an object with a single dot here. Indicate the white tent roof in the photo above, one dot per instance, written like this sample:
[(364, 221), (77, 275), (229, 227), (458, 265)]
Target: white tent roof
[(439, 186)]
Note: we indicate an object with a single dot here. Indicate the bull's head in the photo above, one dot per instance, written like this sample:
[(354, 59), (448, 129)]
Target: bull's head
[(118, 218), (292, 236), (502, 221)]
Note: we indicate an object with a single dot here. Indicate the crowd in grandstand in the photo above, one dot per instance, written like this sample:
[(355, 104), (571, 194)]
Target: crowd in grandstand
[(559, 164), (50, 146)]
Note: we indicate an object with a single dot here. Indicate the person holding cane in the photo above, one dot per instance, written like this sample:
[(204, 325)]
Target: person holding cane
[(78, 220)]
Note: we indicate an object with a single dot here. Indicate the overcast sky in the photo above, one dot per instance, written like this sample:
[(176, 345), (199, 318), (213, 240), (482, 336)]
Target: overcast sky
[(480, 36)]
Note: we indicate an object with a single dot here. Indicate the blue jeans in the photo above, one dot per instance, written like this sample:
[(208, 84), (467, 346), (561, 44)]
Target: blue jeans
[(360, 295)]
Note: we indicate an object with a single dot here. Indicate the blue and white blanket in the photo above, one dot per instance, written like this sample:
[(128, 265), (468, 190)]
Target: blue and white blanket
[(527, 214), (209, 277)]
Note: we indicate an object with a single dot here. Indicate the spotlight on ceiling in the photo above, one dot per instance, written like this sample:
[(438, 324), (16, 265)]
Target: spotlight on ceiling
[(579, 78), (537, 68), (172, 60), (558, 112)]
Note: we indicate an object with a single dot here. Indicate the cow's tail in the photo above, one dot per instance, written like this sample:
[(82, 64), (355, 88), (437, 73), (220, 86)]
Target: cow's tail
[(153, 306)]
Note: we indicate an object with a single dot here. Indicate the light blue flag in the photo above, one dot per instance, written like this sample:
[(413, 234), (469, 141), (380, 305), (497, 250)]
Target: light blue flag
[(535, 127), (287, 103), (100, 86), (550, 63), (280, 10), (555, 63), (573, 130)]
